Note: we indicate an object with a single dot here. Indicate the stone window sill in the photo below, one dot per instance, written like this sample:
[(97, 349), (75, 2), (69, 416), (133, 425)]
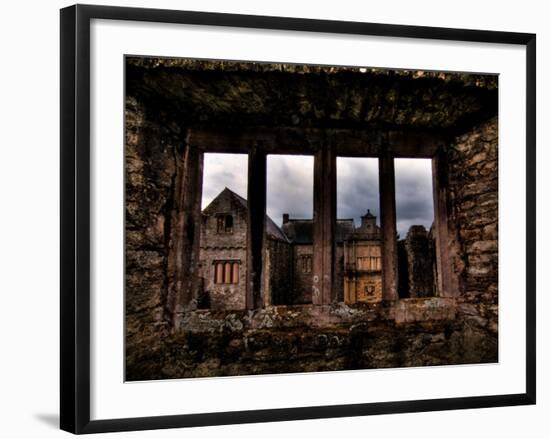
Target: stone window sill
[(402, 311)]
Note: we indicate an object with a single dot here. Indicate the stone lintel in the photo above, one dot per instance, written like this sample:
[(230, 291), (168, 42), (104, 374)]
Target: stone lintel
[(296, 140)]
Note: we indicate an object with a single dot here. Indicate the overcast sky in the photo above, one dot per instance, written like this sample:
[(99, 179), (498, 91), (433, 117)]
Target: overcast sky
[(413, 194), (223, 170), (290, 186)]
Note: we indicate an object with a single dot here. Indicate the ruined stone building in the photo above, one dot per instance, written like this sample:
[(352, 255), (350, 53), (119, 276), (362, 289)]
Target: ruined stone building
[(288, 259), (357, 297)]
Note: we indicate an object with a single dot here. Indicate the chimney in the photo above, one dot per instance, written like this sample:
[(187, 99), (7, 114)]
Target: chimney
[(285, 218)]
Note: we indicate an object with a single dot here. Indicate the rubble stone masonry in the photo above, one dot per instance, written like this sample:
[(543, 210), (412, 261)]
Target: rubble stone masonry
[(473, 178)]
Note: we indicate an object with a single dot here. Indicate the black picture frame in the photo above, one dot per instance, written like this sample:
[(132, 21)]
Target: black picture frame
[(75, 218)]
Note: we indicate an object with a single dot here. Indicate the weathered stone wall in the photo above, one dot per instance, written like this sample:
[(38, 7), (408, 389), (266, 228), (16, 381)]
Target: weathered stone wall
[(153, 144), (223, 295), (402, 270), (278, 265), (322, 96), (473, 183), (302, 281), (420, 262), (338, 283), (308, 338), (210, 237)]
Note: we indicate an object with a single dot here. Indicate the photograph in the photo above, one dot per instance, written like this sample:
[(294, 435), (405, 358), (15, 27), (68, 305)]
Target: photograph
[(271, 220), (295, 218)]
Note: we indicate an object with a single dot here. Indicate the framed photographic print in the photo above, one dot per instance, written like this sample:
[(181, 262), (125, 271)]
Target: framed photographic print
[(268, 218)]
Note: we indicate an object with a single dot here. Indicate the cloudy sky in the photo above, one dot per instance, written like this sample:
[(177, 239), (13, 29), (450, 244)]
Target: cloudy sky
[(356, 187), (223, 170), (290, 186), (413, 194)]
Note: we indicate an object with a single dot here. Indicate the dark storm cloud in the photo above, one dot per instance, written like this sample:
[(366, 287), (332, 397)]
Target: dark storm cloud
[(357, 187), (414, 197), (290, 186), (221, 171)]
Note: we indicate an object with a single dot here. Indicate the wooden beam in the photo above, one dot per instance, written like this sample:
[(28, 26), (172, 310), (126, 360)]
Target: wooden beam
[(386, 174), (324, 223), (256, 226), (187, 233), (367, 142), (447, 280)]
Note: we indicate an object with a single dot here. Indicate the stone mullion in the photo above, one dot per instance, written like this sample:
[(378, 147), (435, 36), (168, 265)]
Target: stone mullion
[(386, 174), (447, 282), (187, 233), (256, 227), (324, 219)]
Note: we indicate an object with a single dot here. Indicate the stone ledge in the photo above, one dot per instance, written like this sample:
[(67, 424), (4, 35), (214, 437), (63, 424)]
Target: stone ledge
[(320, 316), (426, 309)]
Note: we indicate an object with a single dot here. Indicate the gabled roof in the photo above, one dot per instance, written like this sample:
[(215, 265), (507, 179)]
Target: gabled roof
[(299, 231), (272, 230)]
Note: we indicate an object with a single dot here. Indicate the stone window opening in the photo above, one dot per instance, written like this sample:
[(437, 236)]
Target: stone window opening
[(324, 147), (224, 223), (226, 272)]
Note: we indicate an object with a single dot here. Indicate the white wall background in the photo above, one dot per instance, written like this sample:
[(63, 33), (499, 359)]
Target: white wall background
[(29, 248)]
